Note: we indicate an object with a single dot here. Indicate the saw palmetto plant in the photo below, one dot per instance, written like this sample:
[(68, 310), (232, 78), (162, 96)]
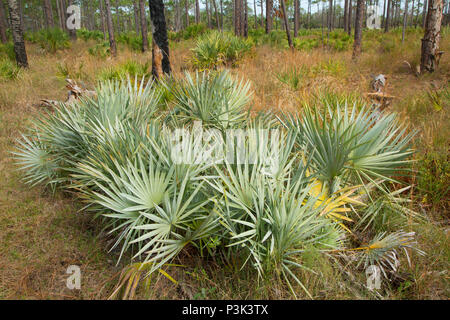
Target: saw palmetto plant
[(295, 182)]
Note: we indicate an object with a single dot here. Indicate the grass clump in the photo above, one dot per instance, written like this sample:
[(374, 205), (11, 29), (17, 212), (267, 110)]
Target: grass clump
[(217, 49), (130, 69), (8, 70), (51, 40)]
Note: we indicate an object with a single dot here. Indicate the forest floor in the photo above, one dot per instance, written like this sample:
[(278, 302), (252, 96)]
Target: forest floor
[(41, 234)]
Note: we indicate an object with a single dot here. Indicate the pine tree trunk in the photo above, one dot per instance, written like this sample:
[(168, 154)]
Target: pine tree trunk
[(296, 17), (117, 17), (405, 17), (160, 47), (216, 13), (262, 13), (269, 18), (345, 15), (109, 23), (186, 8), (430, 56), (17, 33), (48, 14), (424, 14), (137, 21), (208, 14), (103, 19), (286, 24), (197, 12), (143, 26), (349, 22), (256, 16), (3, 26), (358, 28), (245, 19), (388, 16)]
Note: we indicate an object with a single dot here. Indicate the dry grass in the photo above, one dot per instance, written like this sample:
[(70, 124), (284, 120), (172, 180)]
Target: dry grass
[(41, 235)]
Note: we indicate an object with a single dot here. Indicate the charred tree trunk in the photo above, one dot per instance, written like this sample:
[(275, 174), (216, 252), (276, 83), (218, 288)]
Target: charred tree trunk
[(430, 55), (160, 48), (358, 28), (49, 22), (269, 17), (109, 22), (143, 26), (17, 33), (3, 26), (349, 22)]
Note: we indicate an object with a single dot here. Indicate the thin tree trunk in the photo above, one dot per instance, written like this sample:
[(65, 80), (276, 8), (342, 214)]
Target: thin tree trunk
[(405, 17), (345, 15), (136, 17), (103, 19), (430, 54), (388, 16), (186, 8), (349, 22), (208, 14), (109, 22), (197, 12), (117, 17), (424, 14), (296, 17), (221, 15), (3, 36), (269, 17), (256, 16), (262, 13), (143, 26), (216, 14), (48, 14), (358, 28), (160, 47), (17, 33), (245, 19), (286, 24)]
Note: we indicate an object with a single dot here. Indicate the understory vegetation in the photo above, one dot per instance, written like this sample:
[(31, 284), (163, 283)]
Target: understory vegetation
[(136, 184)]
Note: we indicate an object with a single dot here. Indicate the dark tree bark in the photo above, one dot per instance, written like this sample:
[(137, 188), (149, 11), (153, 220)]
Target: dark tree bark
[(245, 19), (49, 22), (345, 15), (109, 23), (17, 33), (262, 13), (388, 16), (269, 17), (221, 15), (349, 22), (430, 54), (160, 47), (256, 16), (296, 17), (3, 26), (286, 24), (143, 26), (360, 4), (137, 21)]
